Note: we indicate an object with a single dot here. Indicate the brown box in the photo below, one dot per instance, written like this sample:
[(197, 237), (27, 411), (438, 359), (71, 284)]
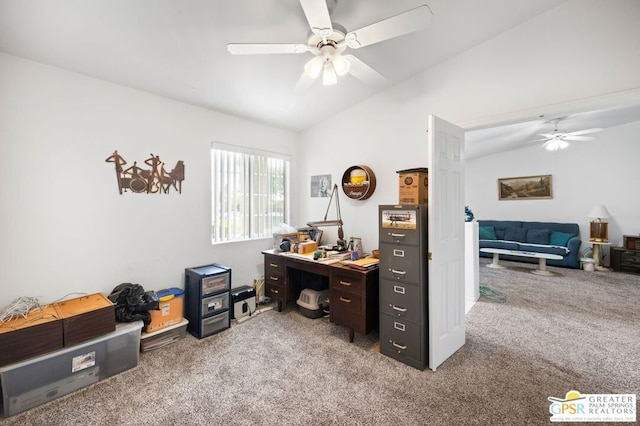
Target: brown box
[(38, 333), (307, 247), (631, 242), (86, 317), (414, 186)]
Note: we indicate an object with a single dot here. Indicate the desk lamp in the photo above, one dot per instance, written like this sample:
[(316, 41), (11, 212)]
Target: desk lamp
[(342, 243), (599, 231)]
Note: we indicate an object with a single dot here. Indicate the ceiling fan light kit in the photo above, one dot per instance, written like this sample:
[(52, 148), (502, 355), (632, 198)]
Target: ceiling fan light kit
[(328, 40), (558, 140)]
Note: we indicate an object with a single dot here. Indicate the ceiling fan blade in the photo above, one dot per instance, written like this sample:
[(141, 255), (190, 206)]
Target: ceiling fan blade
[(318, 17), (585, 132), (404, 23), (265, 48), (537, 140), (571, 137), (364, 72)]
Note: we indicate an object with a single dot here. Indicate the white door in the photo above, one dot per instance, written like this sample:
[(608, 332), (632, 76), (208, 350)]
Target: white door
[(446, 240)]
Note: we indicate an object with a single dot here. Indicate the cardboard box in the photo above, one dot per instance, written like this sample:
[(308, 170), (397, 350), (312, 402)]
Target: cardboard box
[(306, 247), (171, 310), (38, 333), (414, 186), (86, 317)]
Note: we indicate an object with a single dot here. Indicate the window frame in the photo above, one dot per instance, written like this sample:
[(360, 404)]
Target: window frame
[(249, 186)]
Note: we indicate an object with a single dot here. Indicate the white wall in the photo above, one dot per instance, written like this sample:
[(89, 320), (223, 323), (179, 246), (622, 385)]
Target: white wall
[(63, 225), (601, 171), (582, 49)]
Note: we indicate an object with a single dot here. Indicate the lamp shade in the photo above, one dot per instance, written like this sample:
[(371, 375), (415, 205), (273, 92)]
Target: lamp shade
[(599, 212)]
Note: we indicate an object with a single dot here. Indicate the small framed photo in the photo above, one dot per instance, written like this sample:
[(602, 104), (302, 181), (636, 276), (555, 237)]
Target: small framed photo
[(525, 188), (321, 186)]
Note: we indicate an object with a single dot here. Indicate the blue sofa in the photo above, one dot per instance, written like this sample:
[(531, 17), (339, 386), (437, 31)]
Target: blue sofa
[(541, 237)]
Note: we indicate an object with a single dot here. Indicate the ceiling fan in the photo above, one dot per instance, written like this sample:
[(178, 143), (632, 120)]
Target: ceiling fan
[(327, 41), (558, 140)]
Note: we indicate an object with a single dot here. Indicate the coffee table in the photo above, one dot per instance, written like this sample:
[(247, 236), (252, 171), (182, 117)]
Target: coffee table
[(542, 259)]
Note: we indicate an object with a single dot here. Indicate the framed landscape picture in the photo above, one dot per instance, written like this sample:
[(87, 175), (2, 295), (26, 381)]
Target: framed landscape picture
[(525, 188)]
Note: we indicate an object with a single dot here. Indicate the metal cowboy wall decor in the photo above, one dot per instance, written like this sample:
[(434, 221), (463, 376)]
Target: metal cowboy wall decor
[(152, 180)]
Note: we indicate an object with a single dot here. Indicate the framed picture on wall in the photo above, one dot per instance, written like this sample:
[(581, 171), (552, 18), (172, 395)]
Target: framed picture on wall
[(321, 186), (525, 188)]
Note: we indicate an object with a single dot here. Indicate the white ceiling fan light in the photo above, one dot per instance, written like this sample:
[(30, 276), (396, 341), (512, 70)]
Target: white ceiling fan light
[(328, 40), (558, 140)]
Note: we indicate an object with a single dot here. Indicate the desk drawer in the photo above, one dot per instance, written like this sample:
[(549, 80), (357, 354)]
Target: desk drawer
[(274, 263), (400, 300), (348, 281), (275, 291), (274, 277), (346, 309)]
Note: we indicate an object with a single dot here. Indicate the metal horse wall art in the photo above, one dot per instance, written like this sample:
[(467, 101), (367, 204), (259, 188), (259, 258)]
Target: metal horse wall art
[(155, 179)]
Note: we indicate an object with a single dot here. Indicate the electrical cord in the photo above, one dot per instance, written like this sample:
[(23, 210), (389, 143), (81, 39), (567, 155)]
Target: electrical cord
[(21, 307)]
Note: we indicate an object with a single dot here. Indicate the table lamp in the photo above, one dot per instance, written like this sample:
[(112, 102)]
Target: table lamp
[(599, 227)]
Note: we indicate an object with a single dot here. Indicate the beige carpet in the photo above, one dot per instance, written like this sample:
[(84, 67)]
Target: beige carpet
[(576, 330)]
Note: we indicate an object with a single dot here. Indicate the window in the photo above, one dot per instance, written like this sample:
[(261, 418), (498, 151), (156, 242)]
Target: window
[(250, 193)]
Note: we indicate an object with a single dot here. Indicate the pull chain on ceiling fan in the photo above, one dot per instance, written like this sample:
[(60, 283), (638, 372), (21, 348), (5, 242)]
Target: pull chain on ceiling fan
[(327, 41), (558, 140)]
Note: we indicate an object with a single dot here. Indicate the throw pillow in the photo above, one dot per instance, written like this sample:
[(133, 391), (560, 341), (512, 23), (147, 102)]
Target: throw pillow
[(487, 233), (516, 234), (558, 238), (538, 236)]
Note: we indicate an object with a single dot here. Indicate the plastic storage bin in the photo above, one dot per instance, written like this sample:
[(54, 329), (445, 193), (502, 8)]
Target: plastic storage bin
[(164, 337), (35, 381)]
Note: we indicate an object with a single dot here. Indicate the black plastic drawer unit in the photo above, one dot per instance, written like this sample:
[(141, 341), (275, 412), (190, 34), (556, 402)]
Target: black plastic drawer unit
[(207, 299)]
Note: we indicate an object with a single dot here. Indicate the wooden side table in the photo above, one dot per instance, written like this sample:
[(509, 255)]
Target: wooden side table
[(596, 254)]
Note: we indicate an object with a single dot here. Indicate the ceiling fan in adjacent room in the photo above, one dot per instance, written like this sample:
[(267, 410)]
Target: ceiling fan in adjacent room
[(327, 41), (559, 140)]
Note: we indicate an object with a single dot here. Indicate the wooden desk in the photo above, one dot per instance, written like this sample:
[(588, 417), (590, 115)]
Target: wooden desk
[(353, 294)]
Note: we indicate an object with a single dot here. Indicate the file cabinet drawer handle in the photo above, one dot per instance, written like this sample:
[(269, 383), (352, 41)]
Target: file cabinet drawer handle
[(398, 308), (403, 347), (345, 283), (393, 271), (396, 235), (274, 265), (274, 291), (273, 278), (344, 299)]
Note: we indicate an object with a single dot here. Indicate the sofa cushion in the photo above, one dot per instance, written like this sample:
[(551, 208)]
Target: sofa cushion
[(560, 238), (515, 234), (538, 236), (487, 233), (540, 248), (507, 245)]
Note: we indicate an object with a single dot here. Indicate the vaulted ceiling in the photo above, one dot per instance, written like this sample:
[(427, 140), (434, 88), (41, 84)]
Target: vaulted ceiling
[(177, 49)]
